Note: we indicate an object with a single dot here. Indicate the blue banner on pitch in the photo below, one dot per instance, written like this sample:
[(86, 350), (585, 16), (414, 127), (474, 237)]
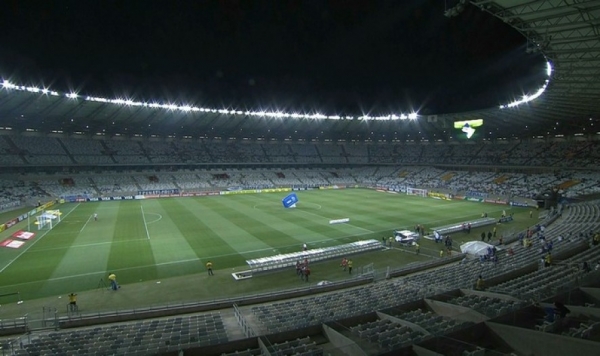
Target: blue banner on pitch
[(290, 201)]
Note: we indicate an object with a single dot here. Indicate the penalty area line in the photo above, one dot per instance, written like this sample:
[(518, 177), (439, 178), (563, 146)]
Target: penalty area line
[(34, 242), (145, 225), (84, 225)]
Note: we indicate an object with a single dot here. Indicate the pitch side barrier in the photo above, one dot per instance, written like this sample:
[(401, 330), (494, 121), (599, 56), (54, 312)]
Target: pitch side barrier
[(174, 193), (449, 229)]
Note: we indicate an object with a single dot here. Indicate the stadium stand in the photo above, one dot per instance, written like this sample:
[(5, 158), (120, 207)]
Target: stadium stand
[(514, 284)]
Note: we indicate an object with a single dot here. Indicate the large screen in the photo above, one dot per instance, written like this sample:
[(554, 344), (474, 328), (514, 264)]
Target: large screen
[(468, 126)]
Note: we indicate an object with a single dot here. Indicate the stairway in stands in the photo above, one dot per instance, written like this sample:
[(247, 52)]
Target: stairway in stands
[(66, 150)]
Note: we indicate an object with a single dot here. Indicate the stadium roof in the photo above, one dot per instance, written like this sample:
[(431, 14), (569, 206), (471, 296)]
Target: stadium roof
[(566, 33)]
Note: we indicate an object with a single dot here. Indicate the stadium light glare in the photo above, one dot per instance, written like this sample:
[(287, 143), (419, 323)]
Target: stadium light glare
[(548, 68), (527, 98), (6, 84)]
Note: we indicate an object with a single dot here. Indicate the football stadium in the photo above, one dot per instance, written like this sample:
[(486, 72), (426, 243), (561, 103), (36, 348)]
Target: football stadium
[(300, 178)]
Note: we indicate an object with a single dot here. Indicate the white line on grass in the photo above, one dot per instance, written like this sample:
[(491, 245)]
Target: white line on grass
[(145, 225), (102, 272), (153, 221), (84, 225), (34, 241), (88, 245)]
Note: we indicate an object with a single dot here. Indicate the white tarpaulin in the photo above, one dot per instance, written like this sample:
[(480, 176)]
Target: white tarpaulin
[(476, 248)]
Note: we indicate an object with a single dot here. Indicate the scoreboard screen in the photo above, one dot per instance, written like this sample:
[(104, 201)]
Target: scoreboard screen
[(468, 126)]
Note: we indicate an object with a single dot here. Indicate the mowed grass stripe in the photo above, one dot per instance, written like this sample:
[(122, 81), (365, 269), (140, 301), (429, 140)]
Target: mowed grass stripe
[(308, 216), (200, 226), (167, 240), (395, 213), (129, 226), (88, 254), (304, 228), (89, 257), (265, 227)]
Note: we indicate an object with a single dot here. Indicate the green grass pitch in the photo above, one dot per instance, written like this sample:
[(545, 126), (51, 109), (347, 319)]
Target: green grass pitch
[(156, 239)]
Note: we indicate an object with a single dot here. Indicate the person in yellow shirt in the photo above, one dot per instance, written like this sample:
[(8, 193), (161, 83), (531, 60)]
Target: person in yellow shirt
[(417, 248), (548, 260), (209, 268), (72, 302), (113, 281), (349, 266), (441, 253), (480, 284)]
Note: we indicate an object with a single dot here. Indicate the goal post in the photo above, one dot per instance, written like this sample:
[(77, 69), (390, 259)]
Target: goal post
[(416, 191), (48, 219)]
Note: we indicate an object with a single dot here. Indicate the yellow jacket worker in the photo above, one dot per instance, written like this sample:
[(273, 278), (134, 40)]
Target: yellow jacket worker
[(209, 268), (113, 281), (72, 301)]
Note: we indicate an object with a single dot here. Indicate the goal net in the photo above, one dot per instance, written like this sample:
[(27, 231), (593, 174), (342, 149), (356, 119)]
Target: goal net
[(415, 191), (48, 219)]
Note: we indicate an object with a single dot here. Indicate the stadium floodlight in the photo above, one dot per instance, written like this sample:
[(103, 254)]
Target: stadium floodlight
[(527, 98), (548, 68), (6, 84), (412, 116)]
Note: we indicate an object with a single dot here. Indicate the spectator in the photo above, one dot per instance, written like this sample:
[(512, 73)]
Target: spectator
[(306, 273), (586, 268), (344, 263), (480, 284), (548, 260), (561, 310)]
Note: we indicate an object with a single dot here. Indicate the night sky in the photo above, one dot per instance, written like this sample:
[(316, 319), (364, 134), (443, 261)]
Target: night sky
[(337, 56)]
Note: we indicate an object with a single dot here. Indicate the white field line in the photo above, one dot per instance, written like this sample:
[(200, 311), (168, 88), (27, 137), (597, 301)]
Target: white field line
[(84, 225), (34, 242), (89, 245), (103, 272), (153, 221), (145, 225)]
